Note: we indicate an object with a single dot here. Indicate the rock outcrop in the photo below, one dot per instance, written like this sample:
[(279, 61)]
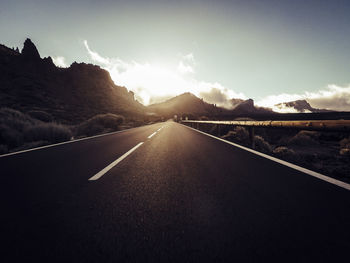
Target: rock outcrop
[(72, 94), (301, 106), (29, 50)]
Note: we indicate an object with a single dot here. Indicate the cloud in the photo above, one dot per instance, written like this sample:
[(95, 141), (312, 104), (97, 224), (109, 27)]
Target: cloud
[(271, 100), (220, 96), (152, 84), (183, 69), (95, 56), (283, 108), (189, 57), (59, 62), (332, 97), (186, 64)]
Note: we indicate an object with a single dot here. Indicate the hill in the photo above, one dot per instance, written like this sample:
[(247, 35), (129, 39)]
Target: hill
[(184, 104), (29, 82), (247, 107), (191, 106)]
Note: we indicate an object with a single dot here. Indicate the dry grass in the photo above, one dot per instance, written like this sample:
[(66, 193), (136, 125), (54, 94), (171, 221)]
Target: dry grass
[(345, 143), (345, 147), (12, 125), (285, 153), (40, 115), (304, 138), (21, 131), (99, 124), (50, 132), (239, 135), (262, 145)]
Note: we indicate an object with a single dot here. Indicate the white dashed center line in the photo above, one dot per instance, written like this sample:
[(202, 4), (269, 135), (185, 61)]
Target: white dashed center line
[(149, 137), (109, 167)]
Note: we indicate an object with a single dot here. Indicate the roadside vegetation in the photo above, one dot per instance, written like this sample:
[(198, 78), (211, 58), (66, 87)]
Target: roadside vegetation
[(345, 147), (20, 131), (101, 123), (324, 152)]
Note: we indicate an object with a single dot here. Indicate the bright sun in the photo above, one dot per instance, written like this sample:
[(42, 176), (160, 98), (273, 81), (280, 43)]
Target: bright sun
[(150, 82), (154, 83)]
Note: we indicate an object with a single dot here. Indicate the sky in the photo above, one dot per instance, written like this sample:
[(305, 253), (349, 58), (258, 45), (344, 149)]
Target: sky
[(271, 51)]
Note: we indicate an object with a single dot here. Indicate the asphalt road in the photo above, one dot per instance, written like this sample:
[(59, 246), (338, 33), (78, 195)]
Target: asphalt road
[(181, 196)]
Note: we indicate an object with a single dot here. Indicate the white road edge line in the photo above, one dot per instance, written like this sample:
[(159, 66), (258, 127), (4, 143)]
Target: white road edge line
[(109, 167), (61, 143), (293, 166), (160, 129), (149, 137)]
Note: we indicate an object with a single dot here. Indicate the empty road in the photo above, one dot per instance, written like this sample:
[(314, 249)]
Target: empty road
[(166, 193)]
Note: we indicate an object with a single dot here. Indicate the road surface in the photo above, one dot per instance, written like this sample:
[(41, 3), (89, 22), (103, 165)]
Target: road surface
[(180, 196)]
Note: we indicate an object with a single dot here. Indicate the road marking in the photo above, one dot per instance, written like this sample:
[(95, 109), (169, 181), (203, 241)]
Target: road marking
[(109, 167), (62, 143), (71, 141), (293, 166), (149, 137)]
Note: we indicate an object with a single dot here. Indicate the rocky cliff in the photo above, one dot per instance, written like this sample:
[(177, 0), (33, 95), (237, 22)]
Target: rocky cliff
[(28, 82)]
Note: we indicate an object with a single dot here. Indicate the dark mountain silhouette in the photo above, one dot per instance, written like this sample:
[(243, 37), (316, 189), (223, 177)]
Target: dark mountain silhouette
[(29, 50), (189, 104), (247, 107), (184, 104), (235, 102), (72, 94), (301, 106)]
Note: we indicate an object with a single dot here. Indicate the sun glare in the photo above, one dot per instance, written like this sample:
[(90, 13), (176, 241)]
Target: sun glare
[(154, 82), (149, 81)]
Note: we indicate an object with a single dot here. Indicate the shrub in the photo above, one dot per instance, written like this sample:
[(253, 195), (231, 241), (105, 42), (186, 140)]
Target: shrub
[(16, 120), (345, 143), (7, 113), (100, 124), (312, 134), (345, 151), (10, 136), (285, 153), (21, 131), (12, 125), (51, 132), (303, 138), (345, 147), (262, 145), (40, 115), (238, 134)]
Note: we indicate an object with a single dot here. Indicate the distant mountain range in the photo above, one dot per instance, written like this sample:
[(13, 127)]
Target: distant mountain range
[(29, 82), (184, 104), (188, 104)]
